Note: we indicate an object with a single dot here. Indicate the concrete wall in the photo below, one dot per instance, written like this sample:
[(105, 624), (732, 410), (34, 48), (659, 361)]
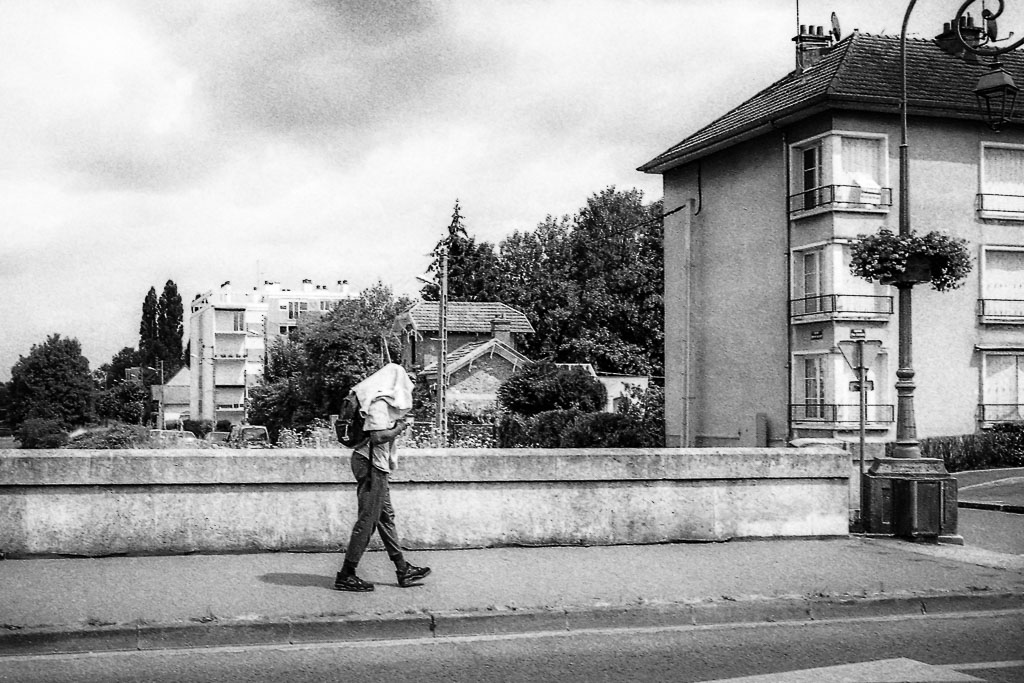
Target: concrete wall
[(175, 501), (728, 360)]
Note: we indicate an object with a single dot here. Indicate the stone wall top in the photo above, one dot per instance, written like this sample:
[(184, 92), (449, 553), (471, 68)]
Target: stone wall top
[(308, 466)]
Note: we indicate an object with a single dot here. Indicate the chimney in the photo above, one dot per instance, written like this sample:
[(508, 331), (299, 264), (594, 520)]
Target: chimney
[(307, 285), (949, 43), (501, 329), (343, 287), (811, 45)]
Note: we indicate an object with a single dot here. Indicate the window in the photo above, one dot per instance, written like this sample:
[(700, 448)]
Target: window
[(1002, 398), (811, 176), (327, 305), (1002, 182), (296, 309), (859, 171), (814, 387), (238, 321), (1002, 289), (840, 171)]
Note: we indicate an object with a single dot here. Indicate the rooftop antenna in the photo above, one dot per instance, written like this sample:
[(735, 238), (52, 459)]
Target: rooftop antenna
[(797, 52), (836, 31)]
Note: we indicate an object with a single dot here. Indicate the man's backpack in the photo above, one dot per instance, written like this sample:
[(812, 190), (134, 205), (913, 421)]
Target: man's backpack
[(349, 425)]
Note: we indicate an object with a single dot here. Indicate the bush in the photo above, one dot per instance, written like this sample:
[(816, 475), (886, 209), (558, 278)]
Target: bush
[(545, 386), (604, 430), (42, 433), (574, 429), (223, 426), (199, 427), (115, 437), (1003, 446)]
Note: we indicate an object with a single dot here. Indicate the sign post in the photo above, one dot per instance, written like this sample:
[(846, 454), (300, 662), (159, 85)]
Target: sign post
[(859, 353)]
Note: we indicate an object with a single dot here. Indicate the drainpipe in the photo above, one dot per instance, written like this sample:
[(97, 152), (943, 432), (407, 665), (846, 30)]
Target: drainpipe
[(789, 285)]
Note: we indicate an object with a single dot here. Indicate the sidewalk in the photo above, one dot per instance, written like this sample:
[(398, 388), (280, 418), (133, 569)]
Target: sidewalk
[(1001, 490), (67, 605)]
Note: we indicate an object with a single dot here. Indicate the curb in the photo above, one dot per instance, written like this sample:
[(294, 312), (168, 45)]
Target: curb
[(999, 507), (445, 624)]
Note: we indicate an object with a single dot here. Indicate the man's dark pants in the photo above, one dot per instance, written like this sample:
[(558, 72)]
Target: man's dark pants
[(375, 512)]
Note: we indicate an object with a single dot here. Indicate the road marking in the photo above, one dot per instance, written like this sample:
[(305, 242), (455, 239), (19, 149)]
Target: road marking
[(899, 670), (1011, 664)]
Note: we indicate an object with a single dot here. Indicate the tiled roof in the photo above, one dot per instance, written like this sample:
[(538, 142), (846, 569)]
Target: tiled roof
[(472, 350), (469, 316), (860, 72)]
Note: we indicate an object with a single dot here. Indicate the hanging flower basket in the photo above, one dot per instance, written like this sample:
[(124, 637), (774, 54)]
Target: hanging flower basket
[(892, 259)]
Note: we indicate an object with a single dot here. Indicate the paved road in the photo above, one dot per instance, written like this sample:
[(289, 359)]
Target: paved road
[(962, 647)]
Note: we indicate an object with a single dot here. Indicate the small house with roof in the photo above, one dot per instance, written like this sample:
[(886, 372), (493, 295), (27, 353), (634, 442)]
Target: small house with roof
[(482, 348), (758, 288)]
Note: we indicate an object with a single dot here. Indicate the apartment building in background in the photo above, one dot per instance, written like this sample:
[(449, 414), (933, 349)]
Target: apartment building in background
[(229, 332), (758, 288)]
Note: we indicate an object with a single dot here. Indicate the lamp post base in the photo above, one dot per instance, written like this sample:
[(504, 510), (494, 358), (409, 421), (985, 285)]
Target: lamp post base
[(912, 498)]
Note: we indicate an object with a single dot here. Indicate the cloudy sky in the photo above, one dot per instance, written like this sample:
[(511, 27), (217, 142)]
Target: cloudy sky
[(211, 140)]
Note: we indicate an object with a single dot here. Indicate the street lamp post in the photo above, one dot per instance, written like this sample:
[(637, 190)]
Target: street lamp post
[(907, 487)]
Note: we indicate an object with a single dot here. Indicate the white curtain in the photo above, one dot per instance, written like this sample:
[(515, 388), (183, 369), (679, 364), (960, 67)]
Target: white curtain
[(1004, 177)]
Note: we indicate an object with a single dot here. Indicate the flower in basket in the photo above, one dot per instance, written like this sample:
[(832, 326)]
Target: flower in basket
[(889, 258)]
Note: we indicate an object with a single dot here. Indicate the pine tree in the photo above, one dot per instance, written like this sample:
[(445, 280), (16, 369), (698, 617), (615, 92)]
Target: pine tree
[(149, 331), (169, 327)]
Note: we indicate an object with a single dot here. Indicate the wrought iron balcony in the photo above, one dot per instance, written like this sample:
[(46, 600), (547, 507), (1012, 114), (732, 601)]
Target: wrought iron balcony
[(840, 197), (841, 413), (1000, 412), (1003, 206), (1001, 310), (841, 305)]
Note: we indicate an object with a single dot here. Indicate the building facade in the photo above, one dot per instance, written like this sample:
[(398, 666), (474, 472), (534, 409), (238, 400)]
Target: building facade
[(758, 289), (229, 332)]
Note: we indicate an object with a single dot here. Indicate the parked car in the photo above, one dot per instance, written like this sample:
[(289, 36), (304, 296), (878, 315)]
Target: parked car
[(218, 439), (171, 438), (249, 436)]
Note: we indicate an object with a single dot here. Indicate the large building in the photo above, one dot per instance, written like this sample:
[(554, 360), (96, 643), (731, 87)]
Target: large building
[(229, 332), (759, 292)]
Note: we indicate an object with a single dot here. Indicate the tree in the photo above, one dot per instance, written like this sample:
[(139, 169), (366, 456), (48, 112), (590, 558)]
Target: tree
[(125, 401), (591, 285), (149, 331), (545, 387), (117, 369), (472, 268), (309, 374), (52, 382), (170, 312)]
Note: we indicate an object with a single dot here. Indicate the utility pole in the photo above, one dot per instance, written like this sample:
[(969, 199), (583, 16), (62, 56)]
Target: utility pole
[(442, 353)]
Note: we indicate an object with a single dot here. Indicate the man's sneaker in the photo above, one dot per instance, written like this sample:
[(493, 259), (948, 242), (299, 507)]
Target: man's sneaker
[(351, 583), (411, 575)]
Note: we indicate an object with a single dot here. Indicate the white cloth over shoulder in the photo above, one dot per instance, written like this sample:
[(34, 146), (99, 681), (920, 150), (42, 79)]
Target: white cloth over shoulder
[(384, 398)]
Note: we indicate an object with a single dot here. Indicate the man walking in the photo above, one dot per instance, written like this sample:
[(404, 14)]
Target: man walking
[(387, 397)]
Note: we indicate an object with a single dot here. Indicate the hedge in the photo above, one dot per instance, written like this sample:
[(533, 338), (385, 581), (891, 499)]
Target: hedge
[(1003, 446)]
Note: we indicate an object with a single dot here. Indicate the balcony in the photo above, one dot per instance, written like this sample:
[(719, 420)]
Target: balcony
[(230, 406), (1006, 311), (845, 415), (229, 356), (841, 197), (1007, 207), (989, 413), (840, 307)]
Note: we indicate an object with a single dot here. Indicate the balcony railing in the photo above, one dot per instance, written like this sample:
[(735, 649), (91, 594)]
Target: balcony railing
[(995, 310), (840, 197), (829, 304), (230, 406), (1006, 206), (841, 413), (1000, 412)]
